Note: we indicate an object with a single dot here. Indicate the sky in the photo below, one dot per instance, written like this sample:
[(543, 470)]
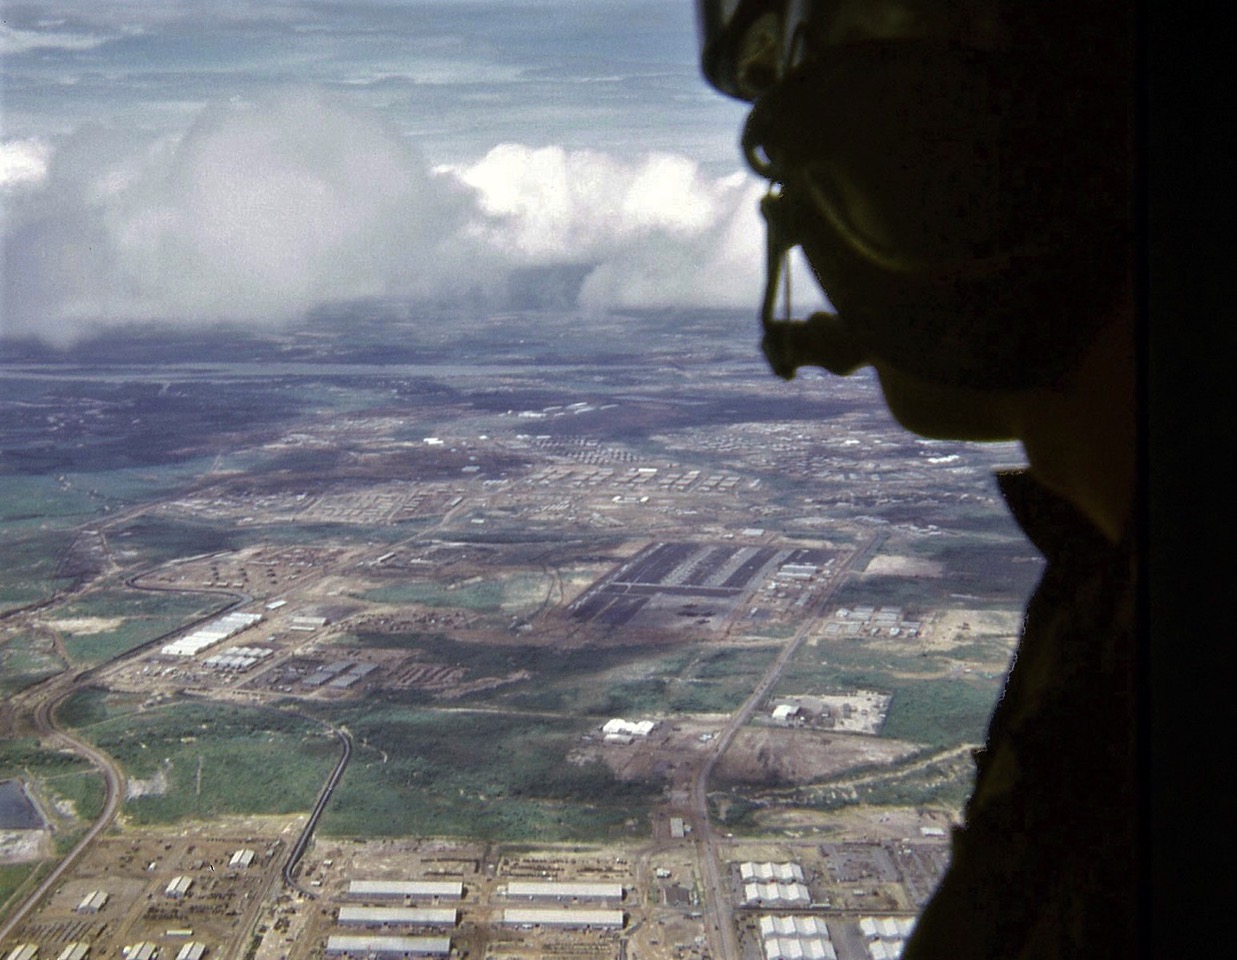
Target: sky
[(191, 161)]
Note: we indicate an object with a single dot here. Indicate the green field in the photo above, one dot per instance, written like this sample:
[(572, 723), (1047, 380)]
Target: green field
[(477, 774), (31, 559), (25, 659), (514, 593), (145, 615), (201, 760)]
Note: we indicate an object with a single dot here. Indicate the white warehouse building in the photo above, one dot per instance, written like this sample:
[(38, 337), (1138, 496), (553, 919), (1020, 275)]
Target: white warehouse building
[(785, 872), (410, 916), (551, 890), (575, 919), (774, 893), (409, 889), (361, 946), (214, 632)]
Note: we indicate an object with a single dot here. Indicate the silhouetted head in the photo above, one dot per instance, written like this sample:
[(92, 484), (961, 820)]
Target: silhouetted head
[(957, 172)]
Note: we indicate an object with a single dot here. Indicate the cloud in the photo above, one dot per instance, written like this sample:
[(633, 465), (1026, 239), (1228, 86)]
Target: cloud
[(266, 209), (658, 231), (23, 163), (259, 212), (14, 40)]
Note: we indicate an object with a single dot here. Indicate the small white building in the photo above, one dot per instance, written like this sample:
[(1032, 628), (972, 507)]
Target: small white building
[(179, 887), (193, 950), (93, 902), (241, 859), (23, 951), (74, 951), (618, 727)]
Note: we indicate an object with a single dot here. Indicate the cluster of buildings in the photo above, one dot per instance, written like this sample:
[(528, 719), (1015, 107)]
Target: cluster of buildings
[(871, 622), (95, 901), (143, 950), (30, 951), (238, 659), (422, 908), (619, 730), (339, 675), (573, 916), (214, 632), (796, 938), (886, 936), (774, 884)]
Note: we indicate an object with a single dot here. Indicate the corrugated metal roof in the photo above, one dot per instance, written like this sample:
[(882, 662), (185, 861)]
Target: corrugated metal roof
[(406, 888), (413, 946), (193, 950), (437, 916), (557, 890), (564, 918)]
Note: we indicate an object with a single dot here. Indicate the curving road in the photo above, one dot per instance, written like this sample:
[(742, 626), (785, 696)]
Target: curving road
[(298, 849), (43, 718)]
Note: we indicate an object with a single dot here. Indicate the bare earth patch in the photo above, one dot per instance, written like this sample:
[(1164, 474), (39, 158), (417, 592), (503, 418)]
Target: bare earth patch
[(156, 786), (952, 628), (762, 755), (22, 846), (904, 566), (79, 626)]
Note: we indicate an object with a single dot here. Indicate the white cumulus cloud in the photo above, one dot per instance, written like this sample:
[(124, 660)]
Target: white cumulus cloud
[(656, 230), (23, 163), (264, 210)]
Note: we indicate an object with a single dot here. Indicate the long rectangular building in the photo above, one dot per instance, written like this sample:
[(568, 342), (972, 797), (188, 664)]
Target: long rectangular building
[(766, 872), (411, 916), (577, 919), (412, 889), (362, 946), (774, 893), (552, 890)]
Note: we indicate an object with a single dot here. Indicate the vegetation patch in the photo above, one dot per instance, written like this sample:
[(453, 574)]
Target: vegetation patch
[(130, 617), (30, 571), (477, 774), (211, 760), (941, 712), (24, 660)]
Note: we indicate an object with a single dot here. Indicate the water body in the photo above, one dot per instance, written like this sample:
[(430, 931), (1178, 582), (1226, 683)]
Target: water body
[(17, 810)]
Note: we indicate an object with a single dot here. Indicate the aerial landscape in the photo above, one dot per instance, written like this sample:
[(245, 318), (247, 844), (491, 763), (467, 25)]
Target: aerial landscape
[(407, 551), (492, 633)]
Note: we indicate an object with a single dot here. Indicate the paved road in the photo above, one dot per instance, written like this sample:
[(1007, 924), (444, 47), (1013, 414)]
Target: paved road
[(298, 849), (719, 905), (42, 716)]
